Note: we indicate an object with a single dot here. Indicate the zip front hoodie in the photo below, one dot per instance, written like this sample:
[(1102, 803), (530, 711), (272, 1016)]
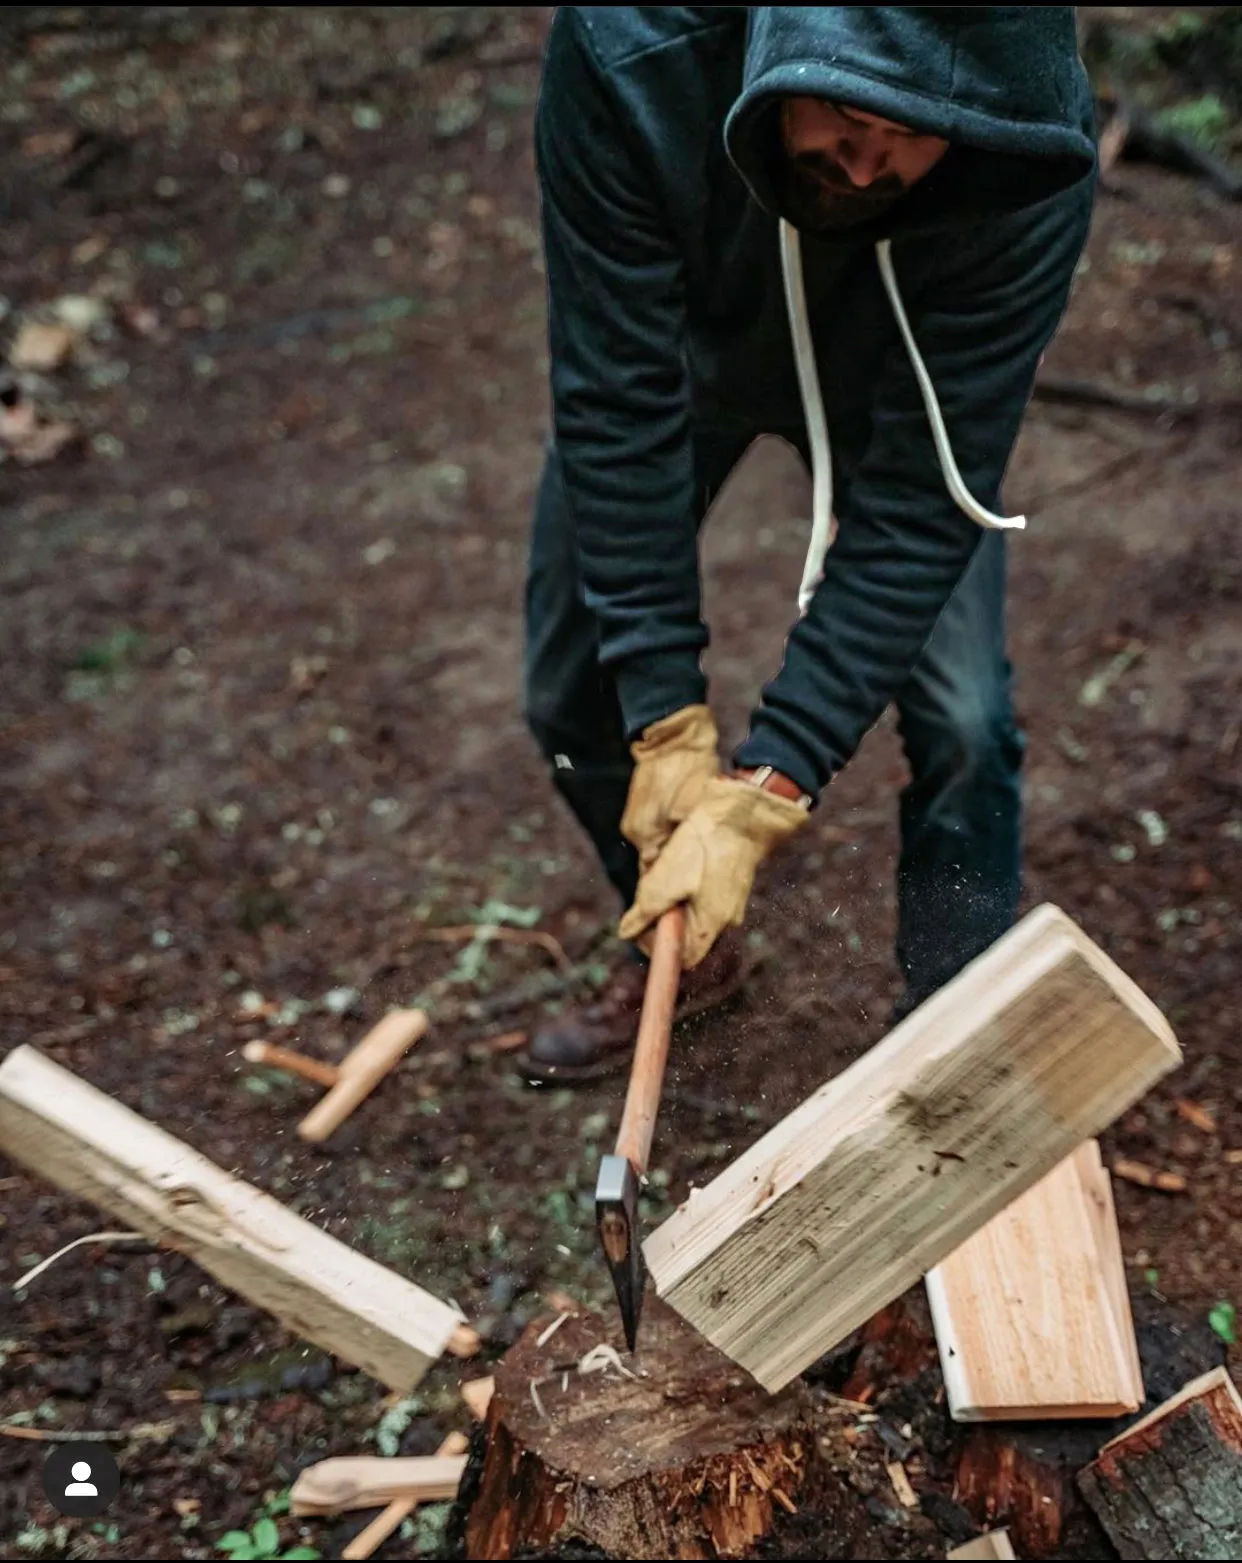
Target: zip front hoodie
[(906, 348)]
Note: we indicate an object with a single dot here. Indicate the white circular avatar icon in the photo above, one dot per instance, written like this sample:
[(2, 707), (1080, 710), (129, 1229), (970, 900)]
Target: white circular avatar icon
[(81, 1486)]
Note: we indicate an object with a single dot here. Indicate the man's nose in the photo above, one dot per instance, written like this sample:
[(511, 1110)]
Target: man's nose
[(863, 164)]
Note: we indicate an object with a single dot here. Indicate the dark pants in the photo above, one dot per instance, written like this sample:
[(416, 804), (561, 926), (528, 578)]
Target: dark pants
[(959, 875)]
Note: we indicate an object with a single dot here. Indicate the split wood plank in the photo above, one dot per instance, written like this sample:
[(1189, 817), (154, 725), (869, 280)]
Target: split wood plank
[(369, 1480), (1032, 1315), (1036, 1046), (1170, 1486), (992, 1544), (82, 1140), (373, 1536)]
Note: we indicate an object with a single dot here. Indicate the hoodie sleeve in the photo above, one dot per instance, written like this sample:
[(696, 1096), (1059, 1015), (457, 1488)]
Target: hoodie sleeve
[(620, 397), (981, 320)]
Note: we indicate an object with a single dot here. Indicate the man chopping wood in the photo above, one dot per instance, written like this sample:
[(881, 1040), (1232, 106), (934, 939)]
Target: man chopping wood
[(855, 228)]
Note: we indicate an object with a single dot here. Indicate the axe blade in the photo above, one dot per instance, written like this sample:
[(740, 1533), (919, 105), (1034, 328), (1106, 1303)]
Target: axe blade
[(616, 1216)]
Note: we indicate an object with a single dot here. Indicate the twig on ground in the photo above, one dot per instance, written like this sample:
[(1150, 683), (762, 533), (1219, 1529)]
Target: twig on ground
[(92, 1237), (150, 1432), (488, 931)]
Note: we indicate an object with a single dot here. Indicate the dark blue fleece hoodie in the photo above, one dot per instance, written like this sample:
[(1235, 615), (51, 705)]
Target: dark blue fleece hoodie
[(655, 134)]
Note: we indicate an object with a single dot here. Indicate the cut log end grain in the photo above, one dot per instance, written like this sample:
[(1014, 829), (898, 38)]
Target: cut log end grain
[(671, 1452)]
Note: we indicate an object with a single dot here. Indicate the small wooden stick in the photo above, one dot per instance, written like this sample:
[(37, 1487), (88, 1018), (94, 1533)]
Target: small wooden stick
[(296, 1063), (369, 1481), (362, 1070), (374, 1535)]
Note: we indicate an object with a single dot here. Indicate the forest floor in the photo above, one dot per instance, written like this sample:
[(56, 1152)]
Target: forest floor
[(261, 715)]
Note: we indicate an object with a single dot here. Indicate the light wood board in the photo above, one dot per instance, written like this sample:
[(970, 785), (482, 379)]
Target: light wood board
[(992, 1544), (82, 1140), (1036, 1046), (1032, 1314)]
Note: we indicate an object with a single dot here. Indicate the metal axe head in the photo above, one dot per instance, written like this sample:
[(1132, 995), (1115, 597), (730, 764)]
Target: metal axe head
[(616, 1215)]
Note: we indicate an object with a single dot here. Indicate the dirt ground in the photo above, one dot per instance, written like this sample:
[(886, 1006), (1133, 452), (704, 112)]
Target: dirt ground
[(262, 734)]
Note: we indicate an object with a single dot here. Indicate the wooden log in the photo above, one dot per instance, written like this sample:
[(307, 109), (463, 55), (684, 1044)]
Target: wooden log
[(992, 1544), (1170, 1486), (76, 1137), (1037, 1045), (362, 1069), (681, 1456), (1032, 1315), (366, 1481)]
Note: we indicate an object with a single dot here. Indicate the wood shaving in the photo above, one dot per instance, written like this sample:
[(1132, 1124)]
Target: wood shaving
[(91, 1237), (601, 1357), (785, 1501), (551, 1330), (535, 1400)]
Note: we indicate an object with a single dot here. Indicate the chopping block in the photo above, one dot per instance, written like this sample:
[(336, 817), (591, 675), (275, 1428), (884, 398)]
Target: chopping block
[(352, 1080)]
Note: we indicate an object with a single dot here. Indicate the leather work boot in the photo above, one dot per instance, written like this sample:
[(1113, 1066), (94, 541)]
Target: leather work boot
[(596, 1038)]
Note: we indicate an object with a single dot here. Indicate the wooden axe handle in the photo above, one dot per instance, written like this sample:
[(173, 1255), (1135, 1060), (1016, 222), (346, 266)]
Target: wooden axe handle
[(642, 1100)]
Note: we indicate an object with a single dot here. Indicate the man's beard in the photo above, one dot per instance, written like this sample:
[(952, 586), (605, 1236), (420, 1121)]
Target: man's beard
[(815, 206)]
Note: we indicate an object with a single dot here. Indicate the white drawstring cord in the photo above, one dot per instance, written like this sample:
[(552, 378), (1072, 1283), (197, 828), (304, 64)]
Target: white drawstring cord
[(813, 412), (822, 529), (962, 497)]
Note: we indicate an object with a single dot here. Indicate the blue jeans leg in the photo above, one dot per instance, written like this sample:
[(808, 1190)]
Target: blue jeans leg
[(959, 878)]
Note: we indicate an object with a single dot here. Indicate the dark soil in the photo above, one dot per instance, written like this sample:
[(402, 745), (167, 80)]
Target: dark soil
[(261, 713)]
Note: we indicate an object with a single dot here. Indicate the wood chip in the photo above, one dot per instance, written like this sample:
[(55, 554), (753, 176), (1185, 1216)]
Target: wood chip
[(1234, 1158), (785, 1501), (762, 1482), (561, 1302), (1193, 1113), (478, 1396), (185, 1506), (906, 1495), (1149, 1177)]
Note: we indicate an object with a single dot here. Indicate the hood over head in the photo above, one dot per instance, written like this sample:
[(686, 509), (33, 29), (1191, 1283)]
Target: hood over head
[(1004, 85)]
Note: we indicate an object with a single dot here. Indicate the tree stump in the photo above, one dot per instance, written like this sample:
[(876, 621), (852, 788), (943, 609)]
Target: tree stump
[(1171, 1485), (684, 1456)]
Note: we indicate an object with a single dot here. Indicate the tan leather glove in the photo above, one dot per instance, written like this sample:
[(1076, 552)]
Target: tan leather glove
[(673, 761), (710, 863)]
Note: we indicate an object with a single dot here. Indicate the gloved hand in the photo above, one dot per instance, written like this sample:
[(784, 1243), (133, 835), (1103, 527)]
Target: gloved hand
[(673, 761), (710, 863)]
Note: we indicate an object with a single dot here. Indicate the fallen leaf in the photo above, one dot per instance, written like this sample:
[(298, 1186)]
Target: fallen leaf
[(1112, 143), (80, 312), (41, 347), (90, 249), (1149, 1177), (28, 441), (49, 143), (1193, 1113)]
